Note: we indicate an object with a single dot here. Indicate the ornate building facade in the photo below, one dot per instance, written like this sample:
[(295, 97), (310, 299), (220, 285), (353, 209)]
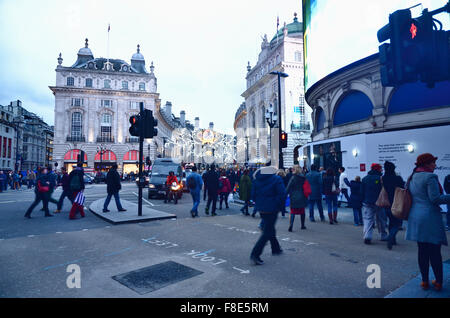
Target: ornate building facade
[(94, 99), (284, 53)]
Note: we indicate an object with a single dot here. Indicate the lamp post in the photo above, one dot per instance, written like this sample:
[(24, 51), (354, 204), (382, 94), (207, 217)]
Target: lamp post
[(280, 150), (246, 149), (101, 150), (271, 118)]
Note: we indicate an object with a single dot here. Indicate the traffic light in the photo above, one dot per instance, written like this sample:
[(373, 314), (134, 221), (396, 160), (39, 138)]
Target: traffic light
[(148, 162), (135, 125), (150, 124), (283, 139), (416, 51)]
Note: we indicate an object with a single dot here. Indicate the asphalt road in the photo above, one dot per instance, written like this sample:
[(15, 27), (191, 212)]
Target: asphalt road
[(322, 261)]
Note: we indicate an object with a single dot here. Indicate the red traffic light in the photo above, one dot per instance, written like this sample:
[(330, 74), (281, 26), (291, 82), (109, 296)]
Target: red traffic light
[(133, 120), (283, 136), (413, 30)]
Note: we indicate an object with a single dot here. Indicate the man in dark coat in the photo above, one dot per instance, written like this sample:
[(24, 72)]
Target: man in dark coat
[(370, 190), (113, 187), (212, 186), (269, 194), (66, 189)]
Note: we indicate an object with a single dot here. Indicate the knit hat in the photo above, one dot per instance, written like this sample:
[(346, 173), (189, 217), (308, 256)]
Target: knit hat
[(425, 159), (376, 166), (389, 166)]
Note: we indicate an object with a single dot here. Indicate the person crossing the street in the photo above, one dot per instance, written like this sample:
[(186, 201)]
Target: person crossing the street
[(66, 190), (194, 182), (41, 190), (212, 185), (113, 187), (76, 183), (268, 193), (224, 190)]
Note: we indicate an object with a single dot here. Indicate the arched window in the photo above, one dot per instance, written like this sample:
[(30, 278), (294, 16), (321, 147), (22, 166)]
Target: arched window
[(320, 119), (70, 81), (253, 119), (352, 107), (76, 125), (416, 96)]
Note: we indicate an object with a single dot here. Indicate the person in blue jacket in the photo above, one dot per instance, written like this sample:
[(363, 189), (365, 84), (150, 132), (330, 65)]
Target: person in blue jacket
[(195, 183), (268, 193)]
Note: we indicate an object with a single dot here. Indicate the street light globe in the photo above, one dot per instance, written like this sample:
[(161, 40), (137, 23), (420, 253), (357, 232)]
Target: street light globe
[(410, 148)]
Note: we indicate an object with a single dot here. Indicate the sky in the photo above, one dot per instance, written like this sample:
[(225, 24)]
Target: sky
[(200, 48)]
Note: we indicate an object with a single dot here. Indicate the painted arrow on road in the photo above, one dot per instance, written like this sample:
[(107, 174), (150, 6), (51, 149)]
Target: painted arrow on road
[(243, 271)]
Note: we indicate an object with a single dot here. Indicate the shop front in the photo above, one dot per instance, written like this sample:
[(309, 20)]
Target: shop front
[(131, 162), (71, 159), (103, 162)]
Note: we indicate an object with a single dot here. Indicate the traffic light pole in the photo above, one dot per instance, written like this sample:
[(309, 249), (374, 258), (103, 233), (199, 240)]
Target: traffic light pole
[(141, 151)]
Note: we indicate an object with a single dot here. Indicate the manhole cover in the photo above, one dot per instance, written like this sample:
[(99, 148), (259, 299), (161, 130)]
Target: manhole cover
[(157, 276)]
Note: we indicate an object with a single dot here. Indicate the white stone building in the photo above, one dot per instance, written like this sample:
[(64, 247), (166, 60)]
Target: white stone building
[(94, 99), (283, 53)]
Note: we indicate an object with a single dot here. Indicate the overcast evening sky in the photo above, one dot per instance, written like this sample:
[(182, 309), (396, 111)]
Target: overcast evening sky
[(200, 48)]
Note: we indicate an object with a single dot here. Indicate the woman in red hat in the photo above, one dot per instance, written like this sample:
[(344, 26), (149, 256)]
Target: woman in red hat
[(425, 225)]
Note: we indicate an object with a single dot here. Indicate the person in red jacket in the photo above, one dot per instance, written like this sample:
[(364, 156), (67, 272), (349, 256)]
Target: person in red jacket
[(225, 190), (171, 178)]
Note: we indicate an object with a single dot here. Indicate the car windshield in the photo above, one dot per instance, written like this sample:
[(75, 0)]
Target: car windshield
[(163, 170)]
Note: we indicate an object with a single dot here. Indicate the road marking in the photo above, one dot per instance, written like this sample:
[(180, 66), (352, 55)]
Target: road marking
[(243, 271), (144, 199), (31, 235), (84, 229), (8, 201), (58, 232)]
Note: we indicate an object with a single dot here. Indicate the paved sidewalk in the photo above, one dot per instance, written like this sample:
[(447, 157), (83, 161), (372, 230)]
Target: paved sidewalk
[(412, 288), (129, 216)]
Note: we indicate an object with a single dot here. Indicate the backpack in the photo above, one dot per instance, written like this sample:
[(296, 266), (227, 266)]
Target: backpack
[(75, 183), (220, 184), (191, 183)]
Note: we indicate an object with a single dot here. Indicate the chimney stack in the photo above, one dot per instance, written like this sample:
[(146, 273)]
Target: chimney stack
[(183, 118), (197, 123), (168, 109)]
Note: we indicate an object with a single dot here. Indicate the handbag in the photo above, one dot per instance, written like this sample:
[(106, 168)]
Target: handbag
[(402, 202), (383, 198), (41, 188)]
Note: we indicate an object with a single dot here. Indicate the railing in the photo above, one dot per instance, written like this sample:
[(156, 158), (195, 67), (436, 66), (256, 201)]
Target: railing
[(132, 140), (105, 139), (76, 139), (300, 127)]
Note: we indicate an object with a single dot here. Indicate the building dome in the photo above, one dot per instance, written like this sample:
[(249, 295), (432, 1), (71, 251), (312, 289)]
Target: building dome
[(86, 51), (294, 27), (138, 56)]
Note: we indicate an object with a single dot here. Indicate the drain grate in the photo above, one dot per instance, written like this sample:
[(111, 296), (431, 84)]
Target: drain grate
[(157, 276)]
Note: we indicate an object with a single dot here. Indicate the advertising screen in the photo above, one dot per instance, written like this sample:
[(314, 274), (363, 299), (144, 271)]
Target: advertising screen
[(338, 33)]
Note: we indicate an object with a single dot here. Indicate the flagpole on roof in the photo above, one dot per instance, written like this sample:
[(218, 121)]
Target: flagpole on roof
[(107, 53)]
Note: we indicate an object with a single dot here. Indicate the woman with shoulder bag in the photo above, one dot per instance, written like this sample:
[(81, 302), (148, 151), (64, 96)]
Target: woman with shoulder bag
[(425, 224), (299, 190)]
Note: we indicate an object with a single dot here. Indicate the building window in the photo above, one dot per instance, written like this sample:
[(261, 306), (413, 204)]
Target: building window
[(88, 82), (77, 123), (134, 105), (142, 86), (107, 103), (298, 56), (77, 102), (106, 119), (70, 81), (7, 129), (107, 83), (124, 85)]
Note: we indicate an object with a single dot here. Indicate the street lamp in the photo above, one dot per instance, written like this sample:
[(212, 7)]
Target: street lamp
[(101, 150), (280, 150), (246, 149), (271, 118)]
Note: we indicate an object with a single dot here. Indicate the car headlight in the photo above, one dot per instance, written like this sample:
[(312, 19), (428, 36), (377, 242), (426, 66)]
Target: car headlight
[(151, 186)]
